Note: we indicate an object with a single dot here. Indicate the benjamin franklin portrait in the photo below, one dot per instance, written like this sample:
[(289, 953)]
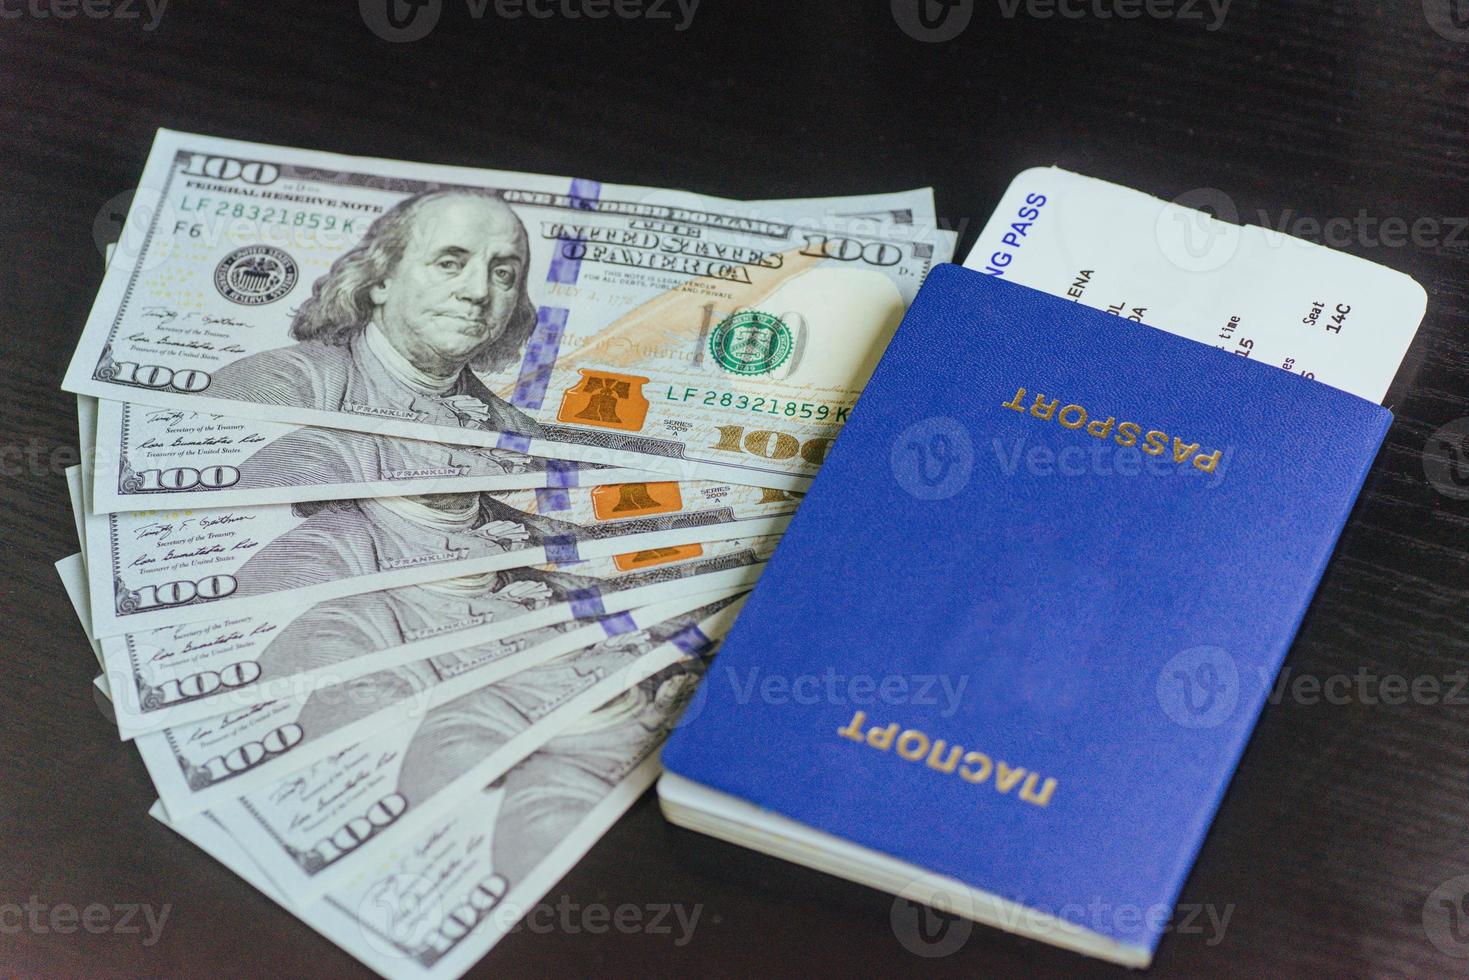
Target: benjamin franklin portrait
[(434, 292)]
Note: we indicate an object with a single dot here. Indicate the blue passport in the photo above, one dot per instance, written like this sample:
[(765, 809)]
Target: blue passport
[(1013, 644)]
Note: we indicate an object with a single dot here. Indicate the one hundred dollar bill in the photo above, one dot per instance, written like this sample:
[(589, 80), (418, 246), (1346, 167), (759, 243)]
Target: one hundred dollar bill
[(73, 575), (202, 764), (327, 825), (435, 902), (168, 458), (566, 318), (72, 570), (177, 674), (78, 496), (151, 569)]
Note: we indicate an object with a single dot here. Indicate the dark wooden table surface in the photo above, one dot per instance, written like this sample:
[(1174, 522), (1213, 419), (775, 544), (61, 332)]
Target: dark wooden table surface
[(1345, 817)]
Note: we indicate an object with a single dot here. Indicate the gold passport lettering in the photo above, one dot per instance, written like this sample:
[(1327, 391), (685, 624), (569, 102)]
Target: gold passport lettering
[(1154, 442), (940, 756)]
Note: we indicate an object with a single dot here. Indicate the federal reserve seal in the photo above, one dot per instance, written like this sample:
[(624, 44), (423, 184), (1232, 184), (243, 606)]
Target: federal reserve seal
[(751, 342), (255, 275)]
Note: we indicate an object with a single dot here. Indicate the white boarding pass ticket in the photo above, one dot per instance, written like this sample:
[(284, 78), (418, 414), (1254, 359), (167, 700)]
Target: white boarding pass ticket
[(1258, 293)]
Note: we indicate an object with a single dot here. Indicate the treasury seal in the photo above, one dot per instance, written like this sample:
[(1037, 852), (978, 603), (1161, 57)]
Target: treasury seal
[(751, 342), (255, 275)]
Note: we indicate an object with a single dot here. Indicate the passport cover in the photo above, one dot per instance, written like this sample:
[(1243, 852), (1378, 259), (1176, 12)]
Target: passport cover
[(1115, 618)]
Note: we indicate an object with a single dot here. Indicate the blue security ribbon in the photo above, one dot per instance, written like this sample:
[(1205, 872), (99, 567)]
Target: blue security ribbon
[(692, 641), (587, 604), (621, 623), (561, 548)]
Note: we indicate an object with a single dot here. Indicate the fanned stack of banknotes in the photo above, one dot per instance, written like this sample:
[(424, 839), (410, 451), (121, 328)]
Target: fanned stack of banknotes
[(416, 498)]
